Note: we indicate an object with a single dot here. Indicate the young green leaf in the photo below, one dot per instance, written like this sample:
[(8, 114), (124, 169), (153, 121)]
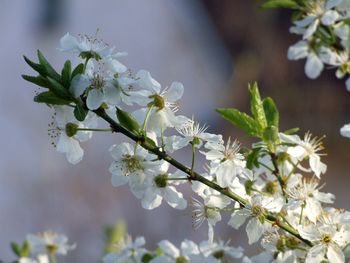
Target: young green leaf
[(291, 131), (49, 97), (66, 74), (38, 80), (290, 4), (78, 70), (241, 120), (58, 89), (256, 106), (271, 112), (80, 112), (128, 121), (50, 71), (16, 249), (37, 67), (271, 134), (252, 158)]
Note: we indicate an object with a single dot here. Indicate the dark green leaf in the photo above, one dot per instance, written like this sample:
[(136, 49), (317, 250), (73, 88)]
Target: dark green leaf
[(147, 257), (252, 158), (50, 71), (80, 112), (58, 89), (271, 112), (128, 121), (241, 120), (49, 97), (290, 4), (37, 67), (256, 106), (78, 70), (16, 249), (90, 54), (38, 80), (66, 74)]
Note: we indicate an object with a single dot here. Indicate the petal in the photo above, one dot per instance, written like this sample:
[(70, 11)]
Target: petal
[(79, 84), (329, 17), (345, 130), (298, 51), (254, 230), (146, 81), (237, 219), (313, 66), (347, 83), (68, 43), (151, 199), (175, 92), (69, 146), (169, 249), (335, 254), (332, 3), (112, 94), (315, 254), (118, 180), (311, 29), (174, 198), (316, 165), (225, 174), (94, 99)]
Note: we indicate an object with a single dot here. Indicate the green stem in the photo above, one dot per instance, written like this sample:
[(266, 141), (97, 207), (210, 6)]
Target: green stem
[(194, 175), (276, 172), (52, 257), (193, 158), (177, 179), (93, 129)]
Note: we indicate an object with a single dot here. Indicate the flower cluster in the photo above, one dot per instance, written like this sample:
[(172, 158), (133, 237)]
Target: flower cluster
[(42, 248), (323, 26), (273, 187), (208, 252)]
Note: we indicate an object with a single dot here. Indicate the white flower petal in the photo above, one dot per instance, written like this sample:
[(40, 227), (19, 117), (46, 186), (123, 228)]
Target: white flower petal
[(79, 84), (254, 230), (313, 66), (146, 81), (330, 17), (335, 254), (345, 130), (175, 92), (298, 50), (94, 99)]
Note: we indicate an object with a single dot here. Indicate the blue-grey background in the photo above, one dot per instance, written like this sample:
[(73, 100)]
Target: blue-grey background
[(214, 47)]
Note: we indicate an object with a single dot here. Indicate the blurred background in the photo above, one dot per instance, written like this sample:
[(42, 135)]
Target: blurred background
[(214, 47)]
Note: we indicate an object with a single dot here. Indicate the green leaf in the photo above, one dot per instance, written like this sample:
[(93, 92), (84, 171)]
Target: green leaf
[(290, 4), (37, 67), (291, 131), (38, 80), (128, 121), (66, 74), (241, 120), (48, 68), (256, 105), (147, 257), (80, 112), (25, 249), (16, 249), (58, 89), (271, 134), (78, 70), (271, 112), (252, 158), (90, 54), (49, 97), (114, 234)]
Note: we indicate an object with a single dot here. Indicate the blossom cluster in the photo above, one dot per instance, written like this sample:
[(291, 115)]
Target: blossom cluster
[(273, 187), (323, 26)]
